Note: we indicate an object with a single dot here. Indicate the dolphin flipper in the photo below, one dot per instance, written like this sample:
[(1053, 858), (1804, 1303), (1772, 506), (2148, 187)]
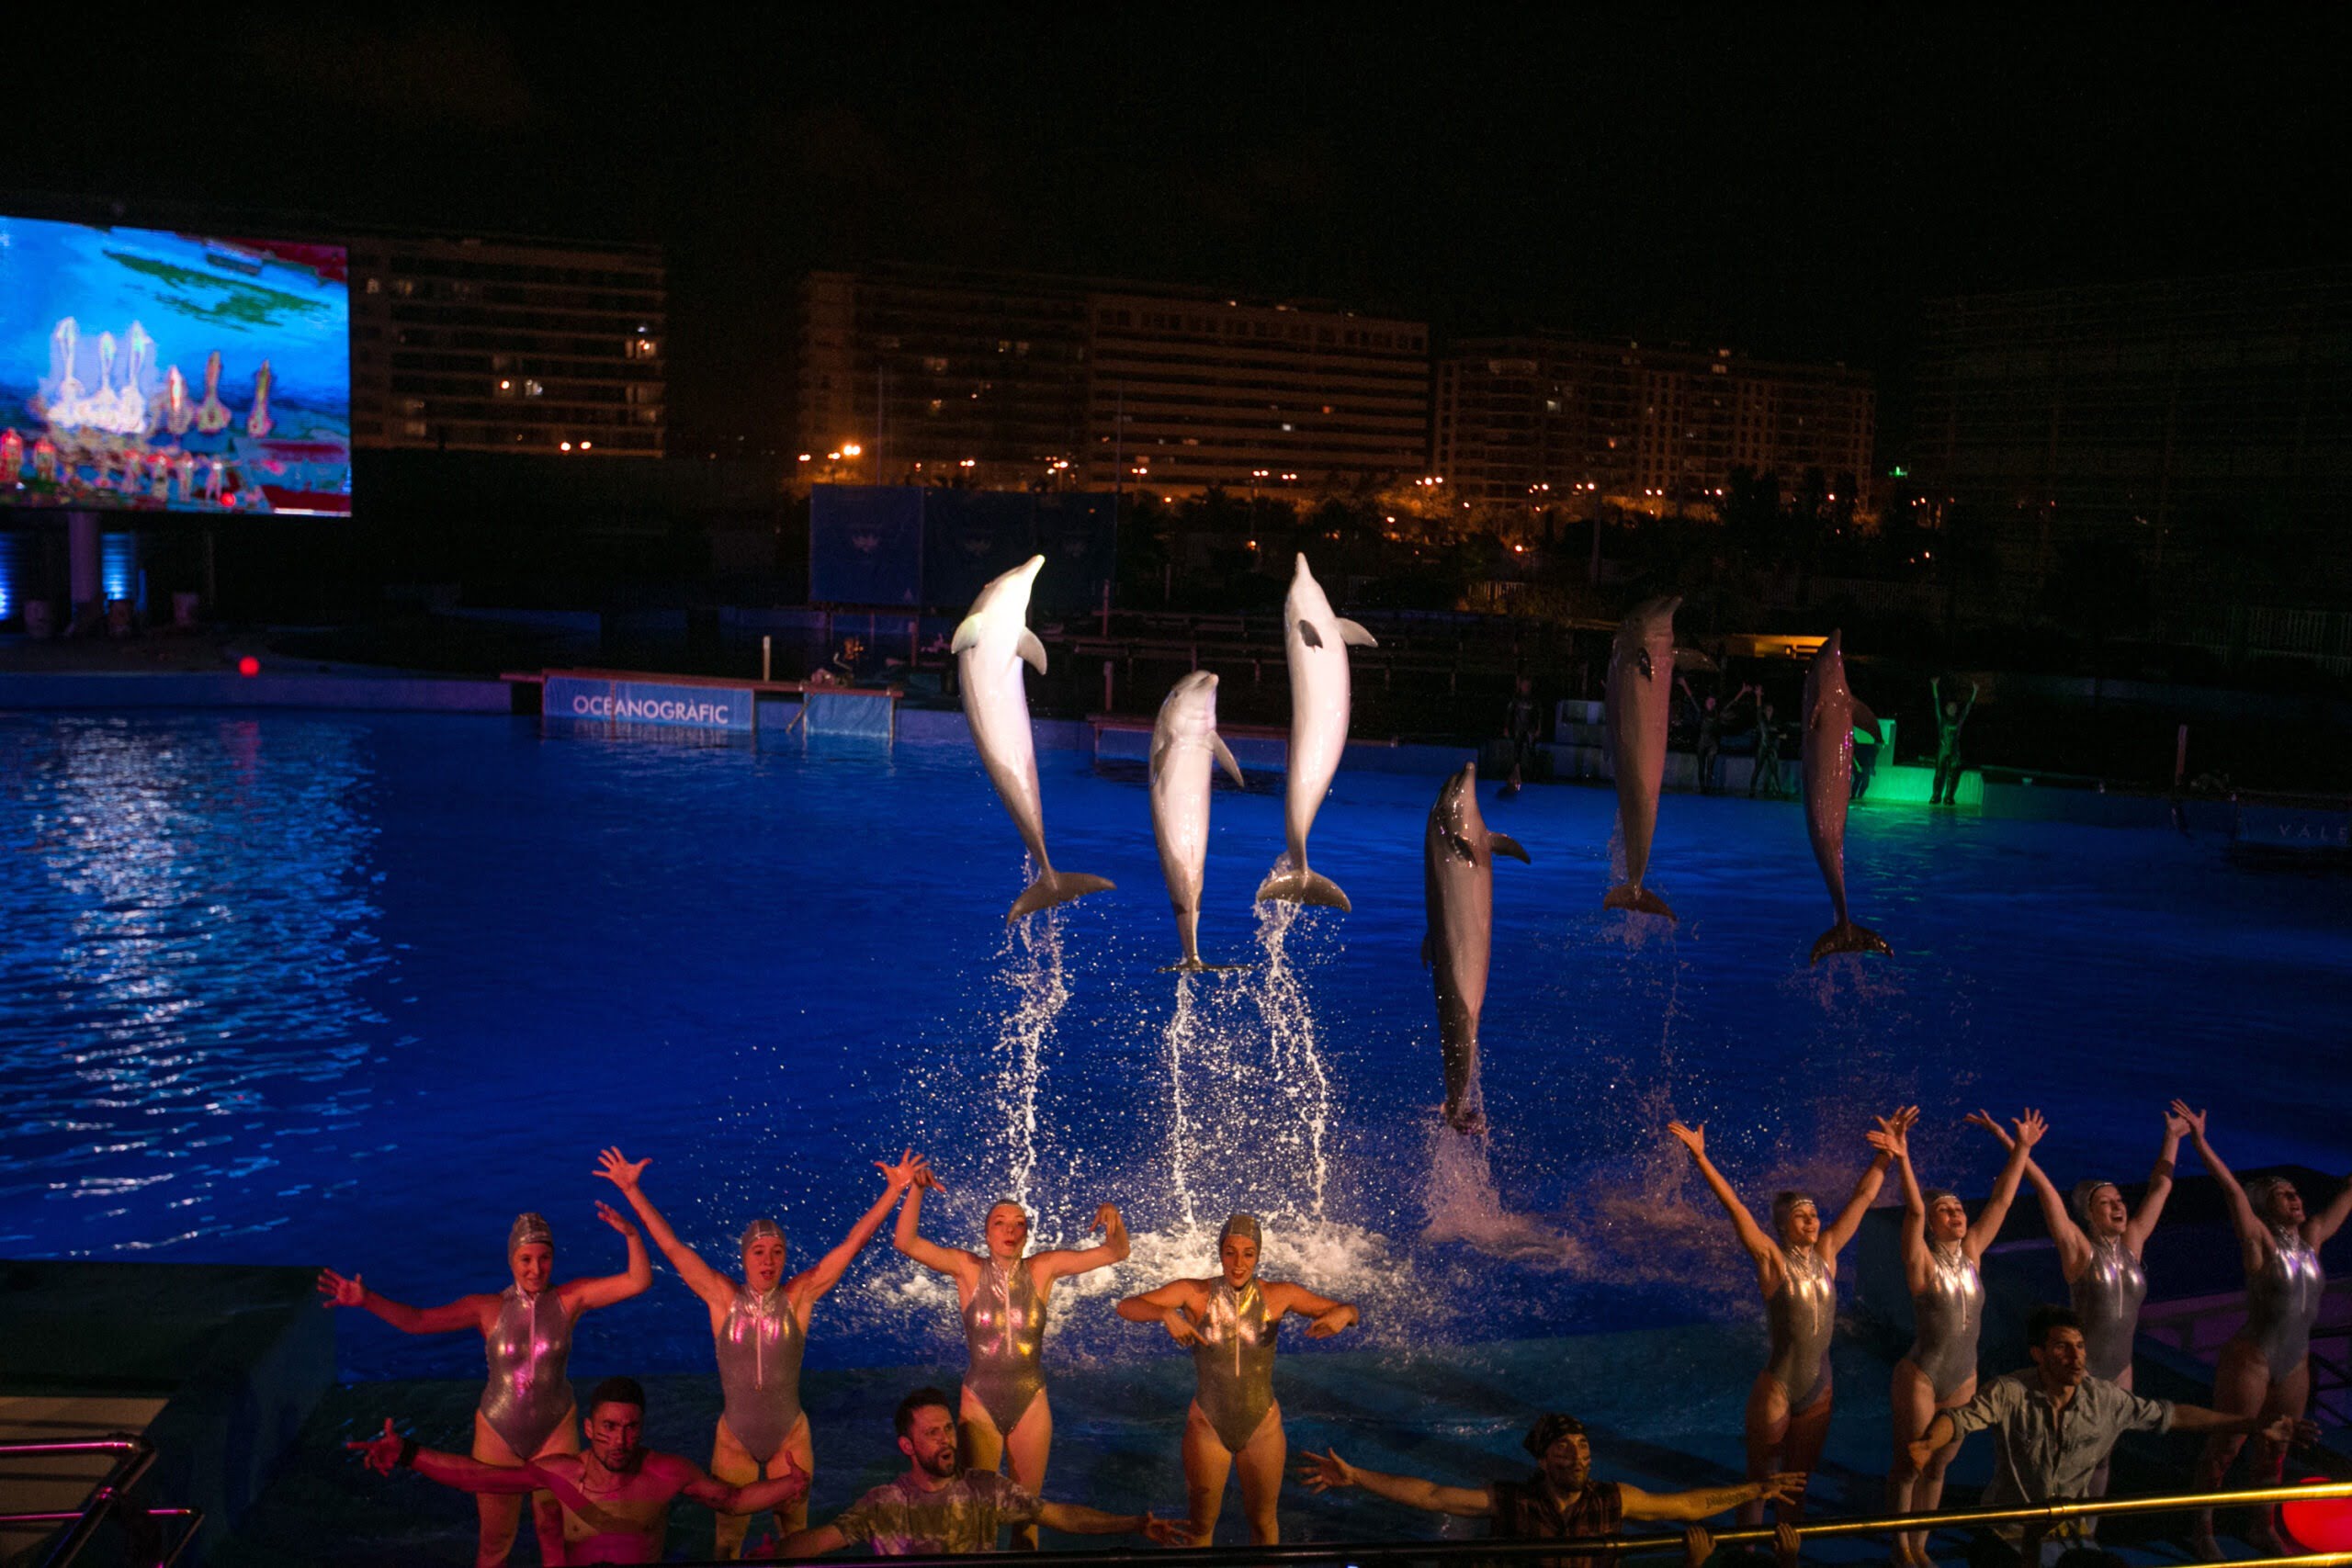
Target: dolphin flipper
[(1504, 844), (1225, 759), (1054, 888), (1848, 936), (1288, 886), (1354, 634), (1625, 895)]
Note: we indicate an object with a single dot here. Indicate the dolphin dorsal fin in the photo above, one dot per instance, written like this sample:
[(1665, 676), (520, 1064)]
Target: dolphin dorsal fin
[(968, 634), (1504, 844), (1224, 758), (1032, 650), (1355, 635), (1308, 634), (1866, 720)]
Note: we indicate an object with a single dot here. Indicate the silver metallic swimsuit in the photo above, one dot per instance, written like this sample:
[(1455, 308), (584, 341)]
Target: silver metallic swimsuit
[(1234, 1362), (2282, 1301), (528, 1397), (1947, 1317), (1004, 1330), (2107, 1297), (759, 1370), (1802, 1316)]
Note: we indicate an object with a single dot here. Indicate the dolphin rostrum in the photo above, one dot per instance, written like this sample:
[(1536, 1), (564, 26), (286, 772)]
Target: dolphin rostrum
[(1315, 640), (1184, 744), (1640, 700), (990, 646), (1458, 882), (1831, 714)]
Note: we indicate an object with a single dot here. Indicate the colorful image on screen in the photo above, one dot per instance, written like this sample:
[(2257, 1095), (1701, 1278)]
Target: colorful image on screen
[(171, 372)]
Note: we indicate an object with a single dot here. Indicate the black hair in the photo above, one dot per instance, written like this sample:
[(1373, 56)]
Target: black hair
[(2039, 1324), (921, 1398), (617, 1391)]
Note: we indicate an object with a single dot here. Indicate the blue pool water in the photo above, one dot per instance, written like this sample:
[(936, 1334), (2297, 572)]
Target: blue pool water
[(353, 990)]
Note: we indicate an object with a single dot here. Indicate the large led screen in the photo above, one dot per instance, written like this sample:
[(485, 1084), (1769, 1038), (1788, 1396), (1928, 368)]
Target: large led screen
[(157, 371)]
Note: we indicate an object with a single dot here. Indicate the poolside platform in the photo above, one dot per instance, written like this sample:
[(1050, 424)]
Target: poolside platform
[(218, 1366)]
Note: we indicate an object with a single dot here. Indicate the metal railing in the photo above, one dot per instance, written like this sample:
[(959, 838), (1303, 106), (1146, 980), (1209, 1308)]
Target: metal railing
[(109, 1498), (1362, 1553)]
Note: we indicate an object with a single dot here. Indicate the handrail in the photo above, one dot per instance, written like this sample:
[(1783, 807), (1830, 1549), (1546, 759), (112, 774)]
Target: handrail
[(1358, 1553), (134, 1457)]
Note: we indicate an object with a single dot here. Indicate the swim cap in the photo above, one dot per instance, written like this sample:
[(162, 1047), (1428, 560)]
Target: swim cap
[(1548, 1430), (763, 1226), (1244, 1226), (2086, 1191), (1786, 1204), (529, 1228)]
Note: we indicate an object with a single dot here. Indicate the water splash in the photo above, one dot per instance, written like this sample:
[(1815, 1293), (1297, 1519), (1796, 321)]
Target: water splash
[(1464, 1205), (1301, 1079), (1179, 1036), (1032, 970)]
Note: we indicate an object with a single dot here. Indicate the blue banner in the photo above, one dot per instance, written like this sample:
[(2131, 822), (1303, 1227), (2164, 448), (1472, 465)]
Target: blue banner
[(583, 699)]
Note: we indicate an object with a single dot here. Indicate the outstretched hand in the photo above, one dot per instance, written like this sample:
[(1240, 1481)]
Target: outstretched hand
[(382, 1451), (1107, 1220), (1784, 1486), (1326, 1471), (1984, 1119), (793, 1474), (340, 1291), (902, 1175), (1167, 1532), (615, 1218), (2029, 1127), (1332, 1322), (2289, 1431), (619, 1171), (1692, 1138), (1892, 1133), (2191, 1122)]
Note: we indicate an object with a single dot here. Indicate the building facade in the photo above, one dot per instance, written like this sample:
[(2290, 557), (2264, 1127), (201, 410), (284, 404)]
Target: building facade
[(488, 344), (2200, 428), (1540, 418), (1003, 379)]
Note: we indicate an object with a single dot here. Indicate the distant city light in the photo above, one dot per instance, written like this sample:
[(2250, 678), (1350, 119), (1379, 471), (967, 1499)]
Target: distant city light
[(804, 457), (851, 449)]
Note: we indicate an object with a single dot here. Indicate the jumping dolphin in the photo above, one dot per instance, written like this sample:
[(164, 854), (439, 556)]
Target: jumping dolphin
[(1316, 643), (990, 646), (1831, 712), (1184, 743), (1458, 884), (1640, 700)]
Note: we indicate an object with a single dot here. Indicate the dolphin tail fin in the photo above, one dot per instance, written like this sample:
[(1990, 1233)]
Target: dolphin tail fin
[(1848, 936), (1289, 887), (1625, 895), (1195, 966), (1054, 888)]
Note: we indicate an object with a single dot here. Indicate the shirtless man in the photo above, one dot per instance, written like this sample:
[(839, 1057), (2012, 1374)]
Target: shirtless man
[(615, 1497)]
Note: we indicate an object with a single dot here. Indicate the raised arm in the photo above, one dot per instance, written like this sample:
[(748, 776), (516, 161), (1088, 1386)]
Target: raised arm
[(1062, 1262), (1760, 1247), (2252, 1233), (2328, 1221), (1915, 1211), (1077, 1518), (1329, 1472), (714, 1288), (587, 1296), (720, 1497), (1866, 1188), (812, 1284), (1705, 1502), (2029, 1129), (2137, 1229), (1326, 1316), (2074, 1247), (466, 1311), (1171, 1306), (906, 1237)]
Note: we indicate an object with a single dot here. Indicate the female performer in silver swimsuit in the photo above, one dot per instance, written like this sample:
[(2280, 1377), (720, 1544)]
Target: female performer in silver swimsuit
[(526, 1408), (2265, 1365), (1228, 1320), (1005, 1410), (1796, 1268), (1940, 1254), (759, 1327)]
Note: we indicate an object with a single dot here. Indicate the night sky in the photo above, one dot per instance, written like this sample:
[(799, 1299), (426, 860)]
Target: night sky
[(1785, 188)]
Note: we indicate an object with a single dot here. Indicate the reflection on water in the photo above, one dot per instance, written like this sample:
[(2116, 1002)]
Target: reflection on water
[(354, 991), (189, 924)]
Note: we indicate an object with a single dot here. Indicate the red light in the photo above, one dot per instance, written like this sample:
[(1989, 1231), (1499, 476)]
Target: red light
[(2319, 1524), (248, 665)]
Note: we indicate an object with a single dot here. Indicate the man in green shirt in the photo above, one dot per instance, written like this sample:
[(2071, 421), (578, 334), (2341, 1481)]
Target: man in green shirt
[(940, 1509)]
